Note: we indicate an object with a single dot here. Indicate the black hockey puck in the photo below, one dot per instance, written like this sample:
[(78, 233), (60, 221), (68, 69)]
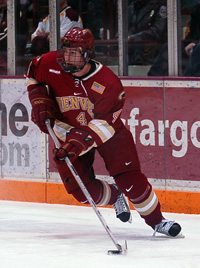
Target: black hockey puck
[(114, 252)]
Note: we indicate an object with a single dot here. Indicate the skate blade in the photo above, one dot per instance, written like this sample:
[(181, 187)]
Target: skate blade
[(180, 235), (130, 219)]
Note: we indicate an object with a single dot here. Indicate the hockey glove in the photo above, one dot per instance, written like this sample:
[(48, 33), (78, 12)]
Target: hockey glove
[(43, 107), (76, 142)]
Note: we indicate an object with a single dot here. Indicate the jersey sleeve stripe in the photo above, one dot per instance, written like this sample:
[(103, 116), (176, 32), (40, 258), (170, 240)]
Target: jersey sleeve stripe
[(31, 81), (60, 129), (102, 129)]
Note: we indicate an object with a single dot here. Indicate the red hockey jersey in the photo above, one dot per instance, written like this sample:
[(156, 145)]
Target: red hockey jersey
[(94, 102)]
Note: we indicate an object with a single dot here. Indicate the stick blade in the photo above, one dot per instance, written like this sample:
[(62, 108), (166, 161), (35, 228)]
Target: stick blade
[(121, 251)]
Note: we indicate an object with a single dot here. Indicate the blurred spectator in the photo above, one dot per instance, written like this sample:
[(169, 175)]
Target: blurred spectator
[(69, 18), (147, 27), (160, 65), (193, 67), (193, 48), (21, 34), (3, 37)]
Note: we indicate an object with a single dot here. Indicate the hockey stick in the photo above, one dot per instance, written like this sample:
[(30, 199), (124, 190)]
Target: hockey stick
[(120, 249)]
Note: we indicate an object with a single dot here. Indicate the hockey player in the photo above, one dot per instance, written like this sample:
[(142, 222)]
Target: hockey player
[(83, 101)]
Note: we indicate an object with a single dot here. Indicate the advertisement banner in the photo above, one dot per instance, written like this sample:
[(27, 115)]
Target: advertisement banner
[(162, 115), (23, 147), (182, 132)]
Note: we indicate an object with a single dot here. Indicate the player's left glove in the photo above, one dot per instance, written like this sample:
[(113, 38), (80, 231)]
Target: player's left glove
[(77, 141)]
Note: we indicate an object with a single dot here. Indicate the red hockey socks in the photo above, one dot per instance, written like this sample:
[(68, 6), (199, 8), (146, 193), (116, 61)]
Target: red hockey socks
[(101, 192), (135, 186)]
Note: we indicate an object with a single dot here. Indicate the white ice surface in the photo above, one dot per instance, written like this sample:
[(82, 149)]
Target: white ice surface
[(59, 236)]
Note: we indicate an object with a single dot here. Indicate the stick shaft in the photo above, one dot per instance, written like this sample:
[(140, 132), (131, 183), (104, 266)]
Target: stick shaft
[(83, 188)]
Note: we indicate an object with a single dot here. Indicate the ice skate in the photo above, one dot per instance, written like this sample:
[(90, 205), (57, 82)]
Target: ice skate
[(122, 208), (167, 227)]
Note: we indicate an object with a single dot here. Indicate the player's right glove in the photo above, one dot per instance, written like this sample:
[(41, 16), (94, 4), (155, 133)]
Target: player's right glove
[(43, 107)]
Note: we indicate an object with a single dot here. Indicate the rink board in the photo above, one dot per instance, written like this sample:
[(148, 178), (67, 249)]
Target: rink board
[(163, 117)]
